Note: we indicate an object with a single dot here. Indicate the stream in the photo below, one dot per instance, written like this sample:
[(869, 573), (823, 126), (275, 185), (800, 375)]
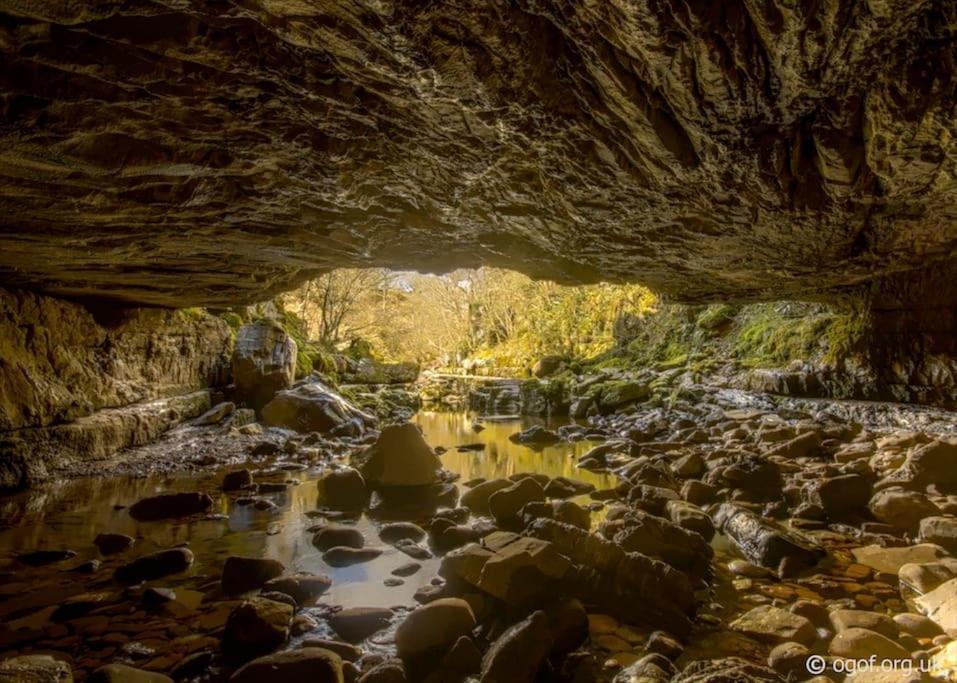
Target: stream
[(70, 514)]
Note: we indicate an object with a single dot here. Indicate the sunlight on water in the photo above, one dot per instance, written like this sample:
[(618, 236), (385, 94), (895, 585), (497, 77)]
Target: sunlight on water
[(70, 514)]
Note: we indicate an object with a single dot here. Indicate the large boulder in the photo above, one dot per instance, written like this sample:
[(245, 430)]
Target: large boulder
[(241, 574), (519, 653), (399, 457), (343, 489), (306, 665), (256, 627), (155, 566), (902, 508), (515, 569), (433, 628), (604, 575), (313, 407), (264, 362)]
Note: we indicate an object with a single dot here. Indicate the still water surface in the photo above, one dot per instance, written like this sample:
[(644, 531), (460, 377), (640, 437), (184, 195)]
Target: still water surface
[(70, 514)]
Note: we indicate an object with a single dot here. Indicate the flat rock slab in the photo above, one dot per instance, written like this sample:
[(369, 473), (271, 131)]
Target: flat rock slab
[(890, 560)]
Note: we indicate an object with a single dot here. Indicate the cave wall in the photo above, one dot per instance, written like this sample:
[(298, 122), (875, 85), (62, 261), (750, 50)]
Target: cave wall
[(84, 382)]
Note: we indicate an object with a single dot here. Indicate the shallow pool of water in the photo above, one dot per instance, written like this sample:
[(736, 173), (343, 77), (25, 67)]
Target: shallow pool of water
[(70, 514)]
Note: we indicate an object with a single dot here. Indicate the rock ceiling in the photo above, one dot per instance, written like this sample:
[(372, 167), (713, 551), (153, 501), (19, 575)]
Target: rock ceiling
[(184, 152)]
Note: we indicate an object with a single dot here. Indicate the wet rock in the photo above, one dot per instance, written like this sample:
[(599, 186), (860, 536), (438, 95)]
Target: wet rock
[(840, 496), (334, 535), (890, 560), (241, 574), (843, 619), (39, 558), (505, 505), (355, 624), (535, 435), (306, 665), (313, 407), (399, 457), (170, 505), (860, 643), (192, 666), (804, 446), (34, 669), (237, 480), (603, 574), (447, 537), (264, 362), (433, 628), (940, 605), (477, 498), (407, 569), (917, 625), (343, 489), (515, 569), (690, 517), (926, 576), (155, 566), (111, 544), (563, 511), (934, 463), (256, 627), (346, 651), (774, 625), (651, 499), (386, 672), (762, 542), (939, 530), (726, 669), (518, 654), (216, 414), (568, 622), (688, 466), (341, 556), (463, 658), (902, 509), (789, 659), (663, 644), (120, 673), (399, 531), (652, 668), (698, 492), (419, 552), (658, 537), (563, 487), (305, 589)]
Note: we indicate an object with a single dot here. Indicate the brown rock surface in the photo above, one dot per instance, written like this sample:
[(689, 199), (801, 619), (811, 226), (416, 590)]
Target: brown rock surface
[(188, 154)]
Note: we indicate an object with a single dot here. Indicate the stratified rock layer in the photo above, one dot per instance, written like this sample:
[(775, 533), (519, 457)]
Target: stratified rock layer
[(80, 383), (201, 153)]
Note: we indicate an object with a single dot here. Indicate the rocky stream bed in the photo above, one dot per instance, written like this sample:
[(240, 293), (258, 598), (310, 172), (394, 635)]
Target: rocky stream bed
[(724, 536)]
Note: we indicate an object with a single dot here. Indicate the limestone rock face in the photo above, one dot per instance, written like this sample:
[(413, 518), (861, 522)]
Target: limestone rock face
[(191, 153), (264, 362), (63, 361), (80, 382)]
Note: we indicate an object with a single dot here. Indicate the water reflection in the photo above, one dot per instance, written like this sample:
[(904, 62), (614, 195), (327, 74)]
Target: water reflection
[(71, 514)]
